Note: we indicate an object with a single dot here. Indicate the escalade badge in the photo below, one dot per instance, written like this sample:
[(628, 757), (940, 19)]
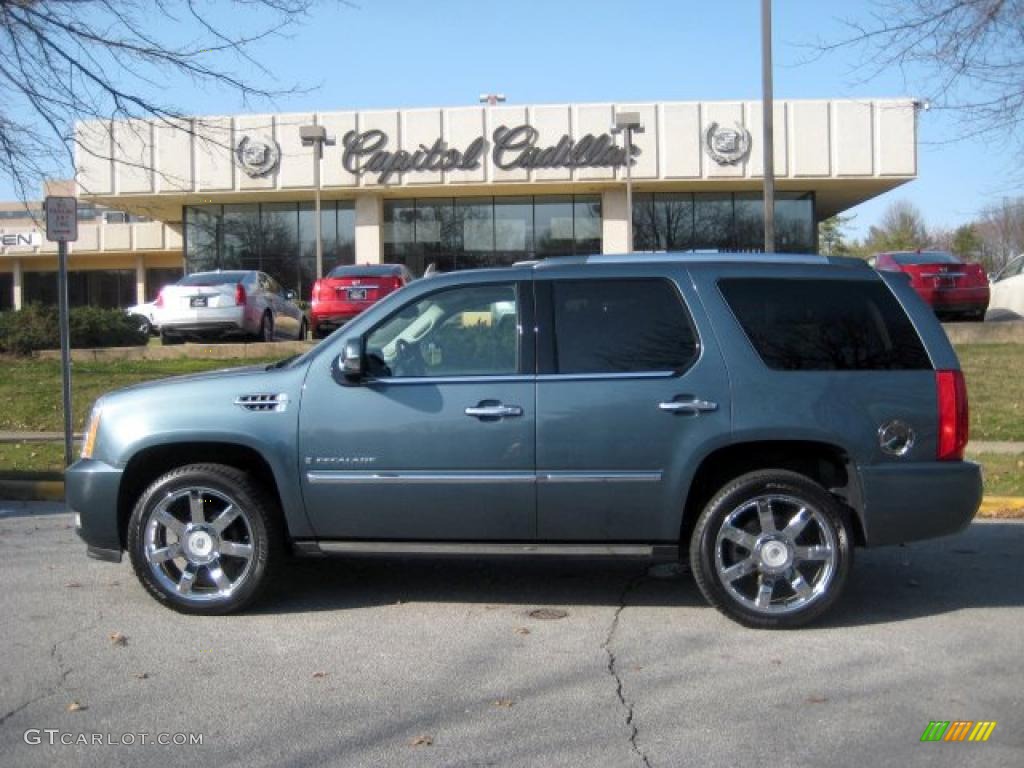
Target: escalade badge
[(727, 146)]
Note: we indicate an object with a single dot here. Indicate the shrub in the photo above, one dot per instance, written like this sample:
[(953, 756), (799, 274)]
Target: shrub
[(35, 327)]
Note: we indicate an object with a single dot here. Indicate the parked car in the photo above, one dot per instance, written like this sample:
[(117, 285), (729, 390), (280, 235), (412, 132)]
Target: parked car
[(954, 289), (146, 316), (1007, 288), (348, 291), (761, 414), (229, 303)]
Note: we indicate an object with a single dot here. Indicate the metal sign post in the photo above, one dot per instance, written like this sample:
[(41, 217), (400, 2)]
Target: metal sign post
[(62, 226)]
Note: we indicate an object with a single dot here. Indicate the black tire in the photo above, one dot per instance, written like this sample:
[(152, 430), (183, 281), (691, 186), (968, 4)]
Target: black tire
[(318, 334), (168, 339), (773, 557), (256, 528), (303, 330), (142, 323), (267, 327)]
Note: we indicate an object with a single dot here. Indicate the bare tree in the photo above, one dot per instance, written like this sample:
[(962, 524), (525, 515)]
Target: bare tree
[(1001, 230), (63, 61), (902, 228), (967, 56)]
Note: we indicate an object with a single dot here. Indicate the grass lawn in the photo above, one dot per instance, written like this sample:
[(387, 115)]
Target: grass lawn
[(30, 389), (995, 388), (1004, 473)]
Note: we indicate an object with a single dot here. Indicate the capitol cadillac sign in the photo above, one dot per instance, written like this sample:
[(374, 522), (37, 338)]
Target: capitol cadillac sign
[(510, 148)]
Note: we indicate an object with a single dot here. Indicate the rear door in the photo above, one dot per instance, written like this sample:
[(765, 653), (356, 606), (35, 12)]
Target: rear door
[(631, 390)]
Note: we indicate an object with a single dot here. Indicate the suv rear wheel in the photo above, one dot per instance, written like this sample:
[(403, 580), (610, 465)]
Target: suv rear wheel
[(204, 539), (772, 549)]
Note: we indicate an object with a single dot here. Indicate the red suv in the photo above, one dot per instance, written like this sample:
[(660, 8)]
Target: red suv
[(951, 287), (347, 291)]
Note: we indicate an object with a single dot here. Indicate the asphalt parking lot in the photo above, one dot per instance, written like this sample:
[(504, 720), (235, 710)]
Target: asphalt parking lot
[(440, 662)]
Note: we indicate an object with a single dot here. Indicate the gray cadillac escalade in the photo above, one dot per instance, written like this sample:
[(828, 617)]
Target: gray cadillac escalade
[(760, 415)]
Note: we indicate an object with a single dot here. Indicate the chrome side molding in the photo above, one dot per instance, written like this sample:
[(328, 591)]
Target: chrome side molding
[(346, 477)]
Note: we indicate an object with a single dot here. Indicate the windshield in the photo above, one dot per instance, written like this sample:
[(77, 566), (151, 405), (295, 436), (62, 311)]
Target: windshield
[(213, 278), (924, 257)]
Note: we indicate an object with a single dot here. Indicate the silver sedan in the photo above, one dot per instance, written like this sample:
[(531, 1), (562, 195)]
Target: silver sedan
[(228, 303)]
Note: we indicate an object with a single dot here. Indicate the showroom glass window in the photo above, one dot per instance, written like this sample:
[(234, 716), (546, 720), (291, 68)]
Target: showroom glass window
[(158, 277), (277, 238), (86, 288), (683, 221), (489, 231)]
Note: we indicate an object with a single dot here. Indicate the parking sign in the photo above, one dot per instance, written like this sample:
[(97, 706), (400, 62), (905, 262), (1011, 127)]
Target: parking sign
[(62, 219)]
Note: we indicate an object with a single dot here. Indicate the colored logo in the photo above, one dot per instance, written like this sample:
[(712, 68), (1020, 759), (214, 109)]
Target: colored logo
[(958, 730)]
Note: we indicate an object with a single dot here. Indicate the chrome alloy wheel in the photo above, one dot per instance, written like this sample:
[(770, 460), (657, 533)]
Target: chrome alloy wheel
[(199, 544), (776, 554)]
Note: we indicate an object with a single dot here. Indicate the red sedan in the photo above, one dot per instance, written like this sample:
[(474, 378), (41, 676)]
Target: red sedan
[(952, 288), (347, 291)]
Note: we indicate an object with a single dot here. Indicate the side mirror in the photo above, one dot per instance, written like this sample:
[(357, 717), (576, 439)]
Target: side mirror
[(350, 362)]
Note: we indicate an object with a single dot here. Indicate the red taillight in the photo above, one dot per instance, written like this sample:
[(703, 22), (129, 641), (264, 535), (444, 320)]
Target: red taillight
[(239, 295), (952, 394), (316, 291), (159, 299)]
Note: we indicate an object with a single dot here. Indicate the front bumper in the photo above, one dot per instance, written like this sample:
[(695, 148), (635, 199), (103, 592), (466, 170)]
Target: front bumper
[(91, 489), (910, 502)]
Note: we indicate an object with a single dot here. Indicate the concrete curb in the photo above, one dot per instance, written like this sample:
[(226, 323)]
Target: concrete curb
[(48, 486), (32, 486), (225, 351)]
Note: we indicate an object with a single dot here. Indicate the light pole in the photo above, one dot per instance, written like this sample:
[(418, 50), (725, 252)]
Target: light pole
[(490, 99), (628, 123), (767, 120), (316, 136)]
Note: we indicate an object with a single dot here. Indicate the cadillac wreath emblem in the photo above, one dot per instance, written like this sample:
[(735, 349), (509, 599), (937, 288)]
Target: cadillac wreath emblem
[(257, 157), (727, 146)]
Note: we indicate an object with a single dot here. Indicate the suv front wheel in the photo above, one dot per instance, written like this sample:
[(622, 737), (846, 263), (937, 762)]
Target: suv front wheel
[(772, 549), (205, 539)]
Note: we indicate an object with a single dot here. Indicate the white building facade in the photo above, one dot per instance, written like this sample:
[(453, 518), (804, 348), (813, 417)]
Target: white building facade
[(466, 187)]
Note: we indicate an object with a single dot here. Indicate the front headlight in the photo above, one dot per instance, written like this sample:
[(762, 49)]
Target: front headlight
[(90, 432)]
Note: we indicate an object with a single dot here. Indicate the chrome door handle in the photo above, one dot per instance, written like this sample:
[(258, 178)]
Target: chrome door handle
[(494, 411), (688, 406)]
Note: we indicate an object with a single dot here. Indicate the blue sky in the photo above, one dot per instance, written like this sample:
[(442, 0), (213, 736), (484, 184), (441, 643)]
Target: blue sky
[(407, 53)]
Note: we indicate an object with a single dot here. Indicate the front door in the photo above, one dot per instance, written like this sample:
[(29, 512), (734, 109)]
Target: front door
[(439, 443), (628, 394)]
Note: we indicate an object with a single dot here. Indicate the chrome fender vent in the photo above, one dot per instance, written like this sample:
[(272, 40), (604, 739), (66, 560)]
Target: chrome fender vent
[(263, 402)]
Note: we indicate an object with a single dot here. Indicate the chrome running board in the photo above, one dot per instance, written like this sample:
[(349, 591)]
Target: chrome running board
[(484, 549)]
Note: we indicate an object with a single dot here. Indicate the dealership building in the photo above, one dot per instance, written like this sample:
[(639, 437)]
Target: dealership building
[(456, 187)]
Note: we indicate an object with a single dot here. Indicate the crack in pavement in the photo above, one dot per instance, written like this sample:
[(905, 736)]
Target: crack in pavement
[(63, 671), (630, 585)]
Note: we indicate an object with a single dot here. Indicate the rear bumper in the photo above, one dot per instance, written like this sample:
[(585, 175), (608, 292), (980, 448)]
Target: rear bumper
[(224, 320), (956, 299), (91, 489), (910, 502), (333, 317)]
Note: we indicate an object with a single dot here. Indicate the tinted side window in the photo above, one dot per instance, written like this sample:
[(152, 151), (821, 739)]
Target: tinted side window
[(825, 325), (620, 326)]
